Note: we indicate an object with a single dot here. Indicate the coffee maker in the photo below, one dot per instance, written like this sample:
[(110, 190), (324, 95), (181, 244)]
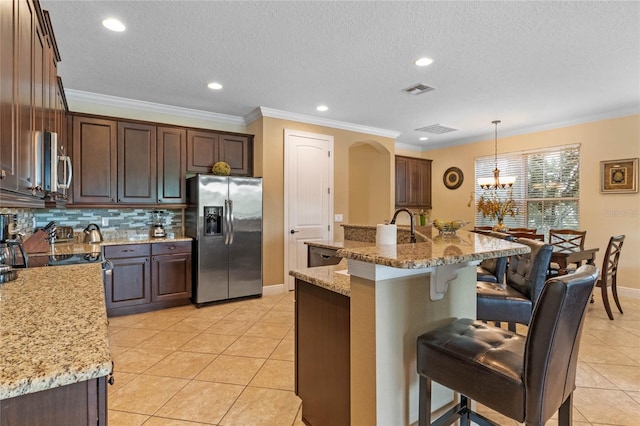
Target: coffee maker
[(157, 222), (12, 254)]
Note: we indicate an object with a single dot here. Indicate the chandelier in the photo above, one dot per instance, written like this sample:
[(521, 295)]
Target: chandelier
[(496, 182)]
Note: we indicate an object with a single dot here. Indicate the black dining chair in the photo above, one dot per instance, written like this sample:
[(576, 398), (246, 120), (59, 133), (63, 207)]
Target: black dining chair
[(609, 273), (527, 379), (493, 270), (513, 302)]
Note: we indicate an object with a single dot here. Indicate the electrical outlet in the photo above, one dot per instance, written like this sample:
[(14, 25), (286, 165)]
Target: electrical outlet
[(337, 218), (105, 221)]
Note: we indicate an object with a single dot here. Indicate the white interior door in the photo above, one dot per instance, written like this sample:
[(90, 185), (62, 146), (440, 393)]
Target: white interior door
[(308, 197)]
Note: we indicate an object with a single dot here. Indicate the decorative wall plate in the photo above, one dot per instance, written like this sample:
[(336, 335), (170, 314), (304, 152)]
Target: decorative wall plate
[(453, 178)]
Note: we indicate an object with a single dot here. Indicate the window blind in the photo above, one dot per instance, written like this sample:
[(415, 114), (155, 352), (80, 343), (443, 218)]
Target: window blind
[(546, 190)]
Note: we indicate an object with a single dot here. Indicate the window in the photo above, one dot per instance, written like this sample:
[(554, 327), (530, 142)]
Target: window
[(546, 191)]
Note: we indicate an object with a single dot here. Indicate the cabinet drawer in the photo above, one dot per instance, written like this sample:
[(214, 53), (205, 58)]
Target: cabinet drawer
[(171, 248), (127, 250)]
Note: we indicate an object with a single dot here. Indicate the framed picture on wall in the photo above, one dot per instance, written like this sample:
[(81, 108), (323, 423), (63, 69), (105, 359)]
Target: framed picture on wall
[(618, 176)]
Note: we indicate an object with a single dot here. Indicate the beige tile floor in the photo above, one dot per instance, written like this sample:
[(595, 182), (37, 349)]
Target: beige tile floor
[(233, 364)]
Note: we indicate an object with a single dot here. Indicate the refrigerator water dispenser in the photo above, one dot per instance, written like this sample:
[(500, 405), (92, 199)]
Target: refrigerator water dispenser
[(213, 220)]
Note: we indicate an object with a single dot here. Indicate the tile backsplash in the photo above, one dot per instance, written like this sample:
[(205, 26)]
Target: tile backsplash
[(126, 221)]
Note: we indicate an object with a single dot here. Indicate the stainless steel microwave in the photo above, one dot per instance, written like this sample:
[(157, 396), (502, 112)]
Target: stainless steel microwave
[(56, 165)]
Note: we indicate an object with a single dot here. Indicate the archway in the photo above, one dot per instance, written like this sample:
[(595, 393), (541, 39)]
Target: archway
[(370, 183)]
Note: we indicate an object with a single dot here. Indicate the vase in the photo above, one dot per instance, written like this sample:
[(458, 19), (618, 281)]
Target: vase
[(500, 227)]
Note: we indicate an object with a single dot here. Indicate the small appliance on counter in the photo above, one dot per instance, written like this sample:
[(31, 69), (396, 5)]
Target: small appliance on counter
[(92, 234), (157, 222), (12, 254), (64, 234)]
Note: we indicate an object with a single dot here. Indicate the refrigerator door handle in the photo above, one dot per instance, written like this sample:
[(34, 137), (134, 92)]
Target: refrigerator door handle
[(231, 220), (226, 222)]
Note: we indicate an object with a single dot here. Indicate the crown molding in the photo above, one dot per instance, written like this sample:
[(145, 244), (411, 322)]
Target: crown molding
[(608, 115), (410, 147), (115, 101), (310, 119)]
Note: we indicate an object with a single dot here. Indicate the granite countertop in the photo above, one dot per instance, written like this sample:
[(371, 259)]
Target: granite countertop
[(143, 239), (58, 249), (337, 245), (334, 277), (440, 250), (53, 329)]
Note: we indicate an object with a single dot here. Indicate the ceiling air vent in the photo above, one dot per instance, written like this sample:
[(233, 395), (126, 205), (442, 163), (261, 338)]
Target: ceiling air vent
[(418, 89), (436, 129)]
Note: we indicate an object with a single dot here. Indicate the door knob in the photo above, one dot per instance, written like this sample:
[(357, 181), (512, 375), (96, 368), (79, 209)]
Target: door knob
[(293, 231)]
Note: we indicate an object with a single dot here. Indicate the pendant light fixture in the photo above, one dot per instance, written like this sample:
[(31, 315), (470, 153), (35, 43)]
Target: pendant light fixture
[(496, 182)]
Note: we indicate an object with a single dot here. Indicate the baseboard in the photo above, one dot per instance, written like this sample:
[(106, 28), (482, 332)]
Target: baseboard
[(271, 290), (633, 293)]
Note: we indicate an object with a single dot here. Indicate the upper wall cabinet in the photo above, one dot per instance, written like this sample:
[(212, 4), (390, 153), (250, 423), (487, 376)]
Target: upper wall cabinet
[(172, 164), (28, 78), (137, 172), (94, 159), (204, 148), (413, 182), (124, 162), (114, 162)]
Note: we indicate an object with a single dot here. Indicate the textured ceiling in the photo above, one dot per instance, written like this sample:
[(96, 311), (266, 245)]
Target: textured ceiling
[(532, 64)]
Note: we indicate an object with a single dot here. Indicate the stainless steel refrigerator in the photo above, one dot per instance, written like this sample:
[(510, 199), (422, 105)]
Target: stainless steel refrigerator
[(224, 218)]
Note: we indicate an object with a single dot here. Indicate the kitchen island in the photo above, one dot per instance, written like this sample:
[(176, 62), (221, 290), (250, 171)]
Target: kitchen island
[(396, 293), (54, 351)]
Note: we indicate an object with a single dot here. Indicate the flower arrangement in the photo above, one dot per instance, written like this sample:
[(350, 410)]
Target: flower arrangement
[(490, 205)]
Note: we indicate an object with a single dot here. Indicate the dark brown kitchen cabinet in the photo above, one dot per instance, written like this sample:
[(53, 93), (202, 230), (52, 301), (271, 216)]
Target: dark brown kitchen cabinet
[(8, 143), (25, 72), (136, 165), (236, 151), (24, 90), (413, 182), (172, 162), (82, 403), (204, 148), (202, 151), (146, 277), (128, 283), (171, 271), (94, 161)]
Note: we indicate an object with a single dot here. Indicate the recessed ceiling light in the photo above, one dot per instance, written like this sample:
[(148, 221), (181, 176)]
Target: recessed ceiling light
[(424, 138), (214, 86), (114, 25), (423, 62), (322, 108)]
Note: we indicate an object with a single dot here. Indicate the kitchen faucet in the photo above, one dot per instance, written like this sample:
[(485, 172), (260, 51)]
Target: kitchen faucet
[(413, 225)]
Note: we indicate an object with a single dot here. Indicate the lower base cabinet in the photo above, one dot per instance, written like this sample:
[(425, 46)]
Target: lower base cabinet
[(322, 367), (82, 403), (146, 277)]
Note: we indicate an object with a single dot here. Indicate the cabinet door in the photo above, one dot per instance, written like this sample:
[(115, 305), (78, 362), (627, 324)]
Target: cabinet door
[(137, 170), (172, 164), (413, 182), (8, 146), (202, 151), (94, 161), (402, 167), (171, 277), (423, 197), (24, 77), (40, 74), (237, 152), (129, 282)]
